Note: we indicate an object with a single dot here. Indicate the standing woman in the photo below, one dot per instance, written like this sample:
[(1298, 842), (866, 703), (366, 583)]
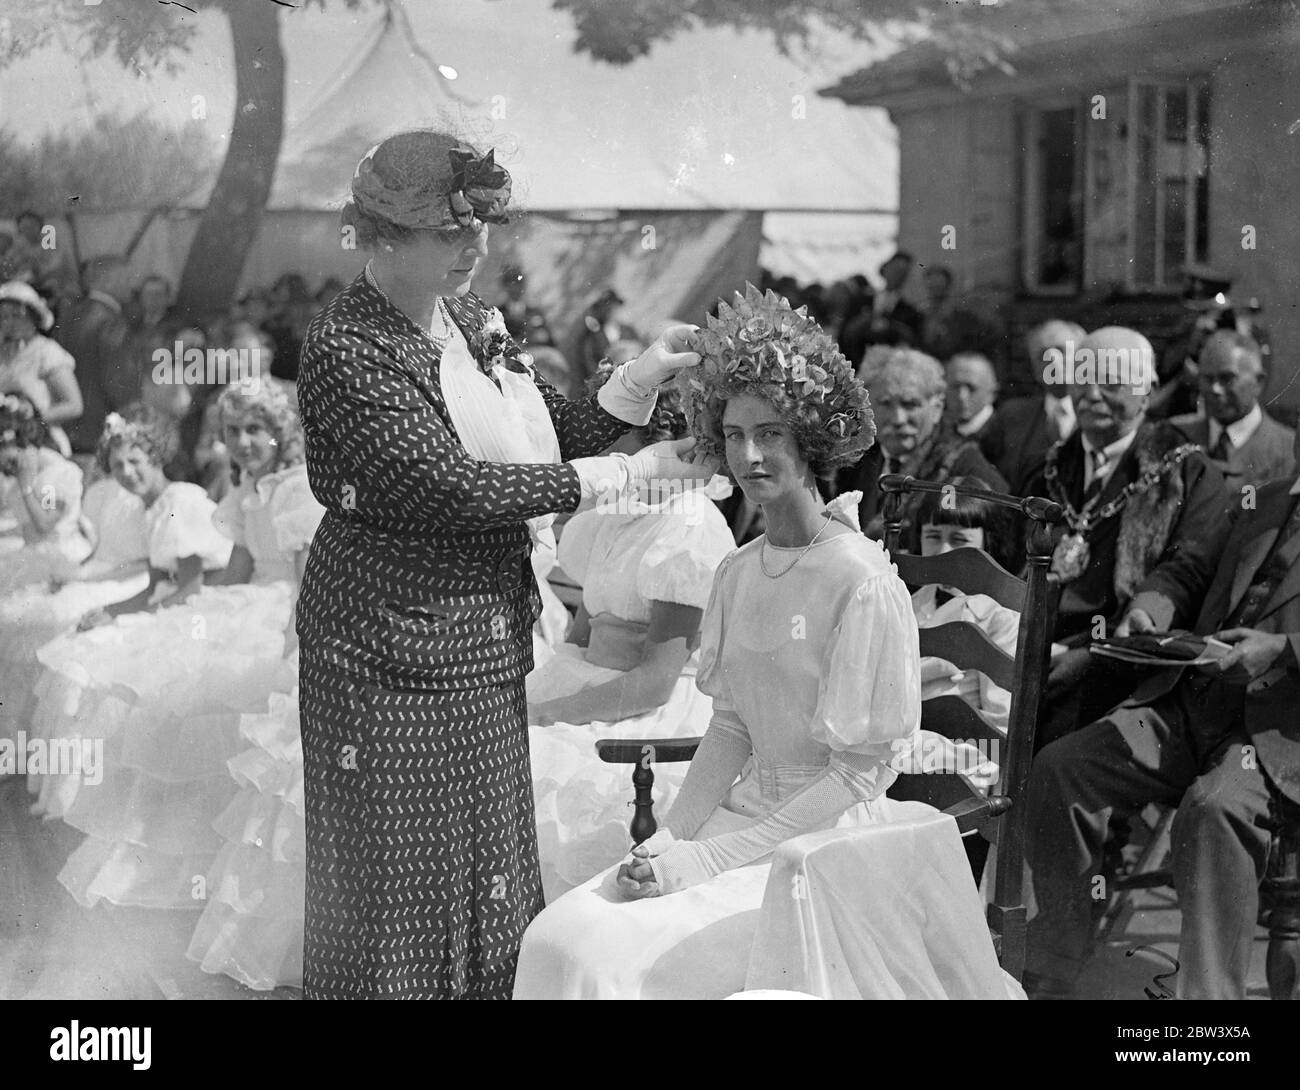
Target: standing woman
[(436, 450)]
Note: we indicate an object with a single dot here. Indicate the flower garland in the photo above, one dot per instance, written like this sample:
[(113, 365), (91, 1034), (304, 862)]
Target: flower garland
[(759, 339)]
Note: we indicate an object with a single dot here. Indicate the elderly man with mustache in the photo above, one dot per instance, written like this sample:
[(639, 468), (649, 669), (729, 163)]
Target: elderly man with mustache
[(1145, 510)]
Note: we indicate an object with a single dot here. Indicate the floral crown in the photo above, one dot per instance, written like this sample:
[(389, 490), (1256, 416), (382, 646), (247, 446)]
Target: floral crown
[(480, 191), (761, 341)]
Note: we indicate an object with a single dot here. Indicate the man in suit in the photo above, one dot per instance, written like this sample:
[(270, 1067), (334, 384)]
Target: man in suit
[(95, 333), (908, 391), (1247, 445), (972, 388), (1022, 429), (1140, 503), (887, 318), (1221, 742)]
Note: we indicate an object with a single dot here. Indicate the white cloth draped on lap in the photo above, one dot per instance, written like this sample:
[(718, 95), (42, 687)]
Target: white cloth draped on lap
[(885, 911)]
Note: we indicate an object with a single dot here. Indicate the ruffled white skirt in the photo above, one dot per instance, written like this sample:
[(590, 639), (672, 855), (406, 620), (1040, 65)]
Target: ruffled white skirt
[(584, 806), (162, 694), (32, 617), (252, 926)]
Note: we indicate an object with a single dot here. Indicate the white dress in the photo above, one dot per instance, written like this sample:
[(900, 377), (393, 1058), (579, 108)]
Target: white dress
[(184, 676), (28, 371), (34, 615), (940, 678), (624, 560), (813, 670), (57, 551)]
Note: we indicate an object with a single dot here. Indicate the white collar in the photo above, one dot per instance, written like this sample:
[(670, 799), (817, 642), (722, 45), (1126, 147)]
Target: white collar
[(1239, 431), (971, 426), (1112, 452)]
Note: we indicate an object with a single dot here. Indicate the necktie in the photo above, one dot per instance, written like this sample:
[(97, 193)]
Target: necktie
[(1223, 448), (892, 464), (1098, 466)]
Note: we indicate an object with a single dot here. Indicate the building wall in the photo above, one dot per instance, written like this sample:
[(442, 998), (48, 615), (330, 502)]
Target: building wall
[(959, 163), (1255, 181)]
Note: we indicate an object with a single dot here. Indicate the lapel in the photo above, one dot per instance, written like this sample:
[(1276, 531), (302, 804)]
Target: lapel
[(1069, 468), (1252, 555), (1289, 586)]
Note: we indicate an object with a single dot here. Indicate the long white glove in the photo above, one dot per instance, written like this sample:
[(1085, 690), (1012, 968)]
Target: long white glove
[(850, 778), (631, 391), (664, 461)]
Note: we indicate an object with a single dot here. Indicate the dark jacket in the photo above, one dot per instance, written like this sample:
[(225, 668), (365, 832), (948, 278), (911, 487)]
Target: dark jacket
[(95, 335), (1268, 455), (1017, 440)]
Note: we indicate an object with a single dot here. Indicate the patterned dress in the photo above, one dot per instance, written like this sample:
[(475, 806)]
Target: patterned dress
[(415, 618)]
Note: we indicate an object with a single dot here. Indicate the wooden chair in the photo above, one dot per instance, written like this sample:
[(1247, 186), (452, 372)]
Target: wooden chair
[(998, 817), (966, 646)]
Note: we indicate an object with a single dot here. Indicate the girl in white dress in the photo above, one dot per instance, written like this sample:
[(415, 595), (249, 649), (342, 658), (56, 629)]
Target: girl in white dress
[(154, 542), (810, 653), (219, 655), (962, 523), (41, 491), (645, 561), (35, 366)]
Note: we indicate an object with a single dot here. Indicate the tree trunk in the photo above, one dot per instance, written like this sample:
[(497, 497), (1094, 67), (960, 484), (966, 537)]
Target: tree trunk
[(230, 222)]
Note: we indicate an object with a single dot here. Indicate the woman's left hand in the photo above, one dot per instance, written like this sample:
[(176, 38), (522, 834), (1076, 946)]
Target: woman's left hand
[(663, 359)]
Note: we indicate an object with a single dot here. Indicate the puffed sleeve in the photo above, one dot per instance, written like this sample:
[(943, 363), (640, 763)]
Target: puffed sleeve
[(54, 357), (871, 672), (228, 518), (680, 564), (574, 550), (183, 527), (710, 678), (295, 513)]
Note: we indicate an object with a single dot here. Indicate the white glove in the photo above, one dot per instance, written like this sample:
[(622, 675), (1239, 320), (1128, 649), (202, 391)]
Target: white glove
[(662, 360), (659, 461)]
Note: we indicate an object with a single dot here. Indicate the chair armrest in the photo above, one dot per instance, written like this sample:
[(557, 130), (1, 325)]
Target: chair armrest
[(630, 751), (971, 813)]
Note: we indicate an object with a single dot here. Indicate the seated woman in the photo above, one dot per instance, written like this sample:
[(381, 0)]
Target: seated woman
[(645, 562), (118, 567), (957, 523), (166, 780), (35, 366), (41, 491), (810, 653)]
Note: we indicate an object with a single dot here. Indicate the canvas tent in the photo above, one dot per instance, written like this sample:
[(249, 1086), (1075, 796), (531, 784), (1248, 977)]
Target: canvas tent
[(666, 200)]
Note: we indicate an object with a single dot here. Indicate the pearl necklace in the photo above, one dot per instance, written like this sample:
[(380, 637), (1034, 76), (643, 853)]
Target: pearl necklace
[(440, 312), (762, 563)]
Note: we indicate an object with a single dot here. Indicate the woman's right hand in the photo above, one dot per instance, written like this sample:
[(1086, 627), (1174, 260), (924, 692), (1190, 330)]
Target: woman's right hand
[(667, 461)]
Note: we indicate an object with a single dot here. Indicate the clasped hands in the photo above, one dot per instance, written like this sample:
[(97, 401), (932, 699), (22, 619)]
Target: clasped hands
[(636, 879), (1253, 652)]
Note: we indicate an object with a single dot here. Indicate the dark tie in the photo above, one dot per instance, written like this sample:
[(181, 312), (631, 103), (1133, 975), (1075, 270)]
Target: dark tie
[(1223, 448), (892, 464), (1098, 464)]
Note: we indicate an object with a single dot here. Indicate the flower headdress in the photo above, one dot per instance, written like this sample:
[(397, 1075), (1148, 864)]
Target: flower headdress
[(760, 344), (146, 429), (479, 193)]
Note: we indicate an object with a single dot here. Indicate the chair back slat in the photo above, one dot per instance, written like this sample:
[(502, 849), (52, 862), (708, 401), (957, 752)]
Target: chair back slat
[(972, 571), (968, 647), (956, 720)]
